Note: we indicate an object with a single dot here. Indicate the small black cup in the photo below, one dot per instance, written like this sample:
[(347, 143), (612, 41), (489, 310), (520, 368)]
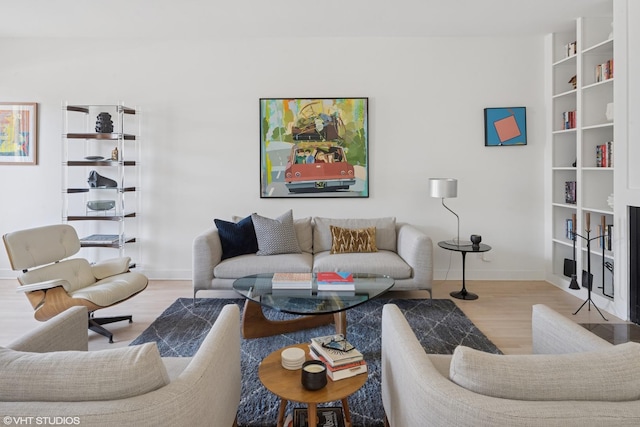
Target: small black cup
[(475, 240), (314, 375)]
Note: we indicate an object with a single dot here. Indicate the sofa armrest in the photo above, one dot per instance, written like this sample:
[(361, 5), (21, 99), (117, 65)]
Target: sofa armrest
[(552, 333), (207, 253), (215, 369), (64, 332), (416, 249)]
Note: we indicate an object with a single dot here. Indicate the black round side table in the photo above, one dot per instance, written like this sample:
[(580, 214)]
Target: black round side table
[(464, 249)]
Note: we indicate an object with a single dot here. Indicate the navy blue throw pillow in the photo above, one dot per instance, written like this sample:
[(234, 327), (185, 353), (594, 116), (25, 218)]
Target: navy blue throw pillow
[(237, 238)]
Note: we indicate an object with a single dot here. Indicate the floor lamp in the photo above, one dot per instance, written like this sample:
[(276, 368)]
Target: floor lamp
[(446, 188)]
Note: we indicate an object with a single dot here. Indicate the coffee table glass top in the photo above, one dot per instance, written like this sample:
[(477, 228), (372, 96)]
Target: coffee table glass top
[(257, 288)]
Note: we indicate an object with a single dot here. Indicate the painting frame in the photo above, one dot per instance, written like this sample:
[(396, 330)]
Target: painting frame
[(505, 126), (314, 147), (18, 133)]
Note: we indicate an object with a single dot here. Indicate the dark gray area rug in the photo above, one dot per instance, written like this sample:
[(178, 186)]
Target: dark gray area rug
[(439, 325)]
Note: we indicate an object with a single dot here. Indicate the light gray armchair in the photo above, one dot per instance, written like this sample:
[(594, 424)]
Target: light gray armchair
[(54, 282), (48, 374)]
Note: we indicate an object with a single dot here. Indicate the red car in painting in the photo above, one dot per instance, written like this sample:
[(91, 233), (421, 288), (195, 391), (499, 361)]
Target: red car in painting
[(317, 166)]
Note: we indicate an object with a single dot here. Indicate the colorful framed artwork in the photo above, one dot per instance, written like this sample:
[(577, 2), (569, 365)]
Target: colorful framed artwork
[(314, 147), (18, 133), (505, 126)]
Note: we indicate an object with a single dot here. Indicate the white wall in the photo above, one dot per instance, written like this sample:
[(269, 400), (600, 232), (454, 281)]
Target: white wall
[(201, 134)]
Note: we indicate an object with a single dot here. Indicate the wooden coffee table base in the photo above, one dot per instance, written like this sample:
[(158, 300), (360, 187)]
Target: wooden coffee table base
[(256, 325), (286, 384)]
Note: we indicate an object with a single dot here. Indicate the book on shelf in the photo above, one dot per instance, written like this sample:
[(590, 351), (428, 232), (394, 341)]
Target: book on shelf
[(335, 281), (571, 49), (569, 228), (336, 350), (340, 372), (604, 155), (568, 120), (570, 192), (604, 71), (291, 281), (326, 417), (101, 239)]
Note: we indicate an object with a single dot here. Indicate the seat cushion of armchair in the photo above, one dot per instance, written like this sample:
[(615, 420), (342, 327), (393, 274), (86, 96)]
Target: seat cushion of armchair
[(78, 376), (611, 374), (108, 291), (381, 262)]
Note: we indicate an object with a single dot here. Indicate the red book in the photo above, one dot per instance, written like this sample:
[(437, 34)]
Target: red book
[(334, 277)]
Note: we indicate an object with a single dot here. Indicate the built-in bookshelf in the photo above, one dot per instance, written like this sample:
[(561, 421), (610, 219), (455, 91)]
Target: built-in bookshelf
[(582, 151)]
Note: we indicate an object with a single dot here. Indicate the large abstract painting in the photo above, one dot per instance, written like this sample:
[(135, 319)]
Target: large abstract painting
[(18, 133), (314, 147)]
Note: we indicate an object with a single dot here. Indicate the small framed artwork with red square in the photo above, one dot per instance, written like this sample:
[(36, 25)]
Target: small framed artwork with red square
[(505, 126)]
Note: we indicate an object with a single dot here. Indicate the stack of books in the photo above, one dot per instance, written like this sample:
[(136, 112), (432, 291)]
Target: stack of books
[(335, 281), (326, 417), (291, 281), (341, 358)]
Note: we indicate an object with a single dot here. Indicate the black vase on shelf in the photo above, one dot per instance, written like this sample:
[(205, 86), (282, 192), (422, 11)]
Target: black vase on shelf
[(104, 124), (475, 240)]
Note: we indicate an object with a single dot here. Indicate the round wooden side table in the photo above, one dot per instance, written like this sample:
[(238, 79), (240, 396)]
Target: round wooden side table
[(286, 384)]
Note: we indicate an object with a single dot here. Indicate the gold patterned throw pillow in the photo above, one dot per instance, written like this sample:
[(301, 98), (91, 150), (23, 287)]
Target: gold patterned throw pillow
[(345, 240)]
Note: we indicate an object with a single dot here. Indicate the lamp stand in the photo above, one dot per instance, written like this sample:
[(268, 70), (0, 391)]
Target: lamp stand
[(457, 241)]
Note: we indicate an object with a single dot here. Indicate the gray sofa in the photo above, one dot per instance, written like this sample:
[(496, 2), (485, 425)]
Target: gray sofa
[(49, 374), (404, 253), (574, 379)]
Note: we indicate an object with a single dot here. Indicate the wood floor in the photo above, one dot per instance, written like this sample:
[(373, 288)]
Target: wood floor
[(503, 311)]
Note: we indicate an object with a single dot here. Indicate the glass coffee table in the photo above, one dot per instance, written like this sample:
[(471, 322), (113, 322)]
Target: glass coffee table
[(316, 308)]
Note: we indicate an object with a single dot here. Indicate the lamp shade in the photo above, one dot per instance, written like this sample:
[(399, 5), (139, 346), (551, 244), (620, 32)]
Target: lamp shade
[(443, 188)]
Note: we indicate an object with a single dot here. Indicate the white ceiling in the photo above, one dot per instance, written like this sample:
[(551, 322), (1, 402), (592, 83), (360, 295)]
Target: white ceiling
[(299, 18)]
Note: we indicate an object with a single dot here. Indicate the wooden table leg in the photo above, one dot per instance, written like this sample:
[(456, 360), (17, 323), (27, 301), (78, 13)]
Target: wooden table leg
[(347, 412), (312, 414), (255, 324), (281, 410)]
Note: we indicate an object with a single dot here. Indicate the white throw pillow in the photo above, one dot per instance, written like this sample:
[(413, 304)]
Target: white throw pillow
[(77, 376), (611, 374)]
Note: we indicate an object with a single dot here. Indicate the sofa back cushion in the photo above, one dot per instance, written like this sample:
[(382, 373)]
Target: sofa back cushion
[(611, 374), (78, 376), (385, 231)]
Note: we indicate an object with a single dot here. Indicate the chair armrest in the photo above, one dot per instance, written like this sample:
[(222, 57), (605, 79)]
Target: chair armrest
[(207, 253), (64, 332), (110, 267), (416, 249), (41, 286), (552, 333)]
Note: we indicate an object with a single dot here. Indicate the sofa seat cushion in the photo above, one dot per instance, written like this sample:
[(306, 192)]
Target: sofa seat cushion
[(245, 265), (611, 374), (78, 376), (381, 262), (385, 231)]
